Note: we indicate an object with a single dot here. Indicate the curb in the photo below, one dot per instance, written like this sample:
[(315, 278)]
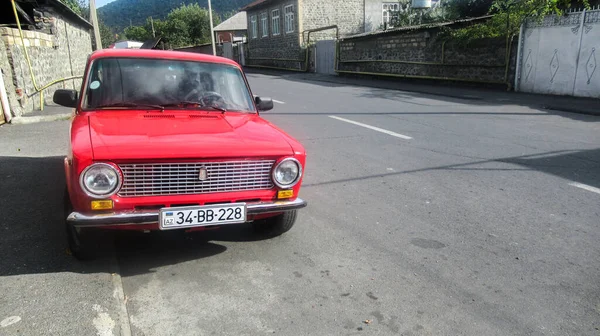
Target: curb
[(405, 89), (38, 119), (570, 110), (474, 97)]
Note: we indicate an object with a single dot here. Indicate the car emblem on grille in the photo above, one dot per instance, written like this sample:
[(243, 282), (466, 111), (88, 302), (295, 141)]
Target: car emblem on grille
[(203, 174)]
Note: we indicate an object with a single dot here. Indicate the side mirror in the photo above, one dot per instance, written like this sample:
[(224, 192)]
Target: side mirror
[(67, 98), (263, 104)]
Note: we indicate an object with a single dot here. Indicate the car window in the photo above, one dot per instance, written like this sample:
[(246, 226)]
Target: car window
[(165, 82)]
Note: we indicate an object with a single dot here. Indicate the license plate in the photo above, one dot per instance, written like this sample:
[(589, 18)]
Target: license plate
[(218, 214)]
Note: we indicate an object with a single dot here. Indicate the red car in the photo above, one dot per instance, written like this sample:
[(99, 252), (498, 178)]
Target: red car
[(164, 140)]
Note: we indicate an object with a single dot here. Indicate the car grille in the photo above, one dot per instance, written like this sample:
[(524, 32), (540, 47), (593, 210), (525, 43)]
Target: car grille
[(156, 179)]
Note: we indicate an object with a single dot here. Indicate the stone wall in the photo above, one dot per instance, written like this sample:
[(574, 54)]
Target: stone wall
[(63, 53), (347, 15), (423, 54), (283, 50)]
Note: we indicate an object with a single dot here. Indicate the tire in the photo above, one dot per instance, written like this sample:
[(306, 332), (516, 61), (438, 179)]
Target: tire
[(79, 240), (278, 225)]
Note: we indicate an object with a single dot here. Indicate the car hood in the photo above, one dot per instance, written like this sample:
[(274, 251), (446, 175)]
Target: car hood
[(120, 135)]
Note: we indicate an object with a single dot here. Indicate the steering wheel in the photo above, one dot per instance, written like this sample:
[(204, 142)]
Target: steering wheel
[(210, 98)]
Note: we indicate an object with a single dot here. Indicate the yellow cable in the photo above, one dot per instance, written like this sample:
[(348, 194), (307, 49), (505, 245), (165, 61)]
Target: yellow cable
[(14, 7)]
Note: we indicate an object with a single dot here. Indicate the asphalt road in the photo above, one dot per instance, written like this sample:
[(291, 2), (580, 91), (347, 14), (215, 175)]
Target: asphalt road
[(427, 215)]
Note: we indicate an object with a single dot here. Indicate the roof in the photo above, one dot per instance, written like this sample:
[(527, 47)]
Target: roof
[(237, 22), (420, 27), (69, 13), (161, 54), (257, 3), (127, 44)]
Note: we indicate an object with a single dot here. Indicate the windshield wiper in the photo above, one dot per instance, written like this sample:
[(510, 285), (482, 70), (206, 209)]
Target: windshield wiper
[(197, 105), (216, 107), (134, 105)]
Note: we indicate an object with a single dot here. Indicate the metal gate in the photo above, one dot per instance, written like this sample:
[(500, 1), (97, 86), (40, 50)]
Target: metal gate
[(228, 50), (561, 55), (325, 57)]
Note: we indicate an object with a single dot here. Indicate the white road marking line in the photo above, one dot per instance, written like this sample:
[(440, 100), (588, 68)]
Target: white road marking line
[(585, 187), (397, 135), (10, 321), (278, 101)]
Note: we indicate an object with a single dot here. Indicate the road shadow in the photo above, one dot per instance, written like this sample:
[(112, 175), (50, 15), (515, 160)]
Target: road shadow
[(33, 239), (582, 166), (408, 91), (140, 253)]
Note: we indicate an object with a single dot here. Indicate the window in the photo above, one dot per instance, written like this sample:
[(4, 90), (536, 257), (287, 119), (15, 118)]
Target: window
[(264, 24), (275, 22), (253, 27), (123, 81), (290, 24), (389, 12)]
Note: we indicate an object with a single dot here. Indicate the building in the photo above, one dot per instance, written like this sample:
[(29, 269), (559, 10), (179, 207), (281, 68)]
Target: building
[(278, 29), (58, 43), (234, 29), (379, 14)]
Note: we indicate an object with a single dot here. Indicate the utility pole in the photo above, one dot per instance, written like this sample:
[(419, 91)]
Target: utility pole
[(94, 18), (152, 24), (212, 32)]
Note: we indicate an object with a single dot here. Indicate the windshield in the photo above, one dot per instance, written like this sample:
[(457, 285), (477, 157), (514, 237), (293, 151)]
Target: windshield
[(128, 82)]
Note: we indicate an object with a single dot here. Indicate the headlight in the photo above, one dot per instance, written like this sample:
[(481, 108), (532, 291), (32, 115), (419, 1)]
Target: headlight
[(100, 180), (287, 173)]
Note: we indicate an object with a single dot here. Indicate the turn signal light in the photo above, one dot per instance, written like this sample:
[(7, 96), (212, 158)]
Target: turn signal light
[(102, 205), (285, 194)]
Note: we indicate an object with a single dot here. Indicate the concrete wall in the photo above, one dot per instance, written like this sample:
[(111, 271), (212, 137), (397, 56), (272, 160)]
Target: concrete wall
[(561, 56), (286, 46), (63, 53), (419, 54)]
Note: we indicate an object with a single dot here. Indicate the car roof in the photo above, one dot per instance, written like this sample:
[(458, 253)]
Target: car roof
[(161, 54)]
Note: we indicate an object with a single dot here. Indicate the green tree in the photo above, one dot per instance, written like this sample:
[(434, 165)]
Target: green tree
[(81, 7), (510, 14), (120, 14), (536, 8), (458, 9), (137, 33), (184, 26), (107, 36), (188, 25)]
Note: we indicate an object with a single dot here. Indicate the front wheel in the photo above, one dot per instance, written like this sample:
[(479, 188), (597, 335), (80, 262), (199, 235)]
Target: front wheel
[(80, 242), (79, 239), (278, 225)]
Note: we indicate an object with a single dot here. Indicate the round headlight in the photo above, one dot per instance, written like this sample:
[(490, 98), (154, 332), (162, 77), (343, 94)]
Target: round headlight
[(100, 180), (287, 173)]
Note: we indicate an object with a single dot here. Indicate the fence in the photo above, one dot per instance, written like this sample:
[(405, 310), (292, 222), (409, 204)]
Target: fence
[(559, 55)]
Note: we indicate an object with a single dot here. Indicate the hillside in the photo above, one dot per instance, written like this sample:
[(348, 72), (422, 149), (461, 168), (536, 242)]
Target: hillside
[(118, 13)]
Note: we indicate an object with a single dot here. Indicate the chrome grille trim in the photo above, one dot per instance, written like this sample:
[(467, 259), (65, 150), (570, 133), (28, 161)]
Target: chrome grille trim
[(161, 179)]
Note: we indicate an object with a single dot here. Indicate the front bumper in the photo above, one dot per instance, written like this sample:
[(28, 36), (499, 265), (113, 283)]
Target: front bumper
[(151, 217)]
